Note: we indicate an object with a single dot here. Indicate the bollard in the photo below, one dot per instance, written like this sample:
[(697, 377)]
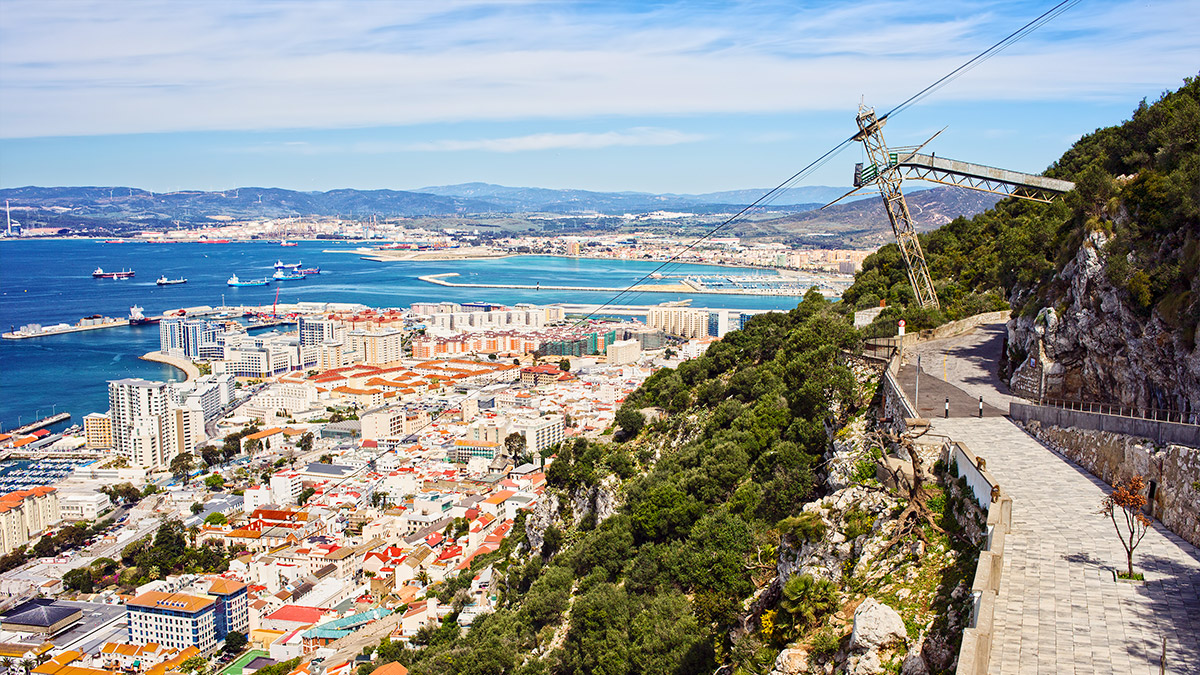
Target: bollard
[(980, 407), (947, 407)]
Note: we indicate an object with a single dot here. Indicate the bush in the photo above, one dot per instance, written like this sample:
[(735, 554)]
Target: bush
[(804, 527), (858, 523)]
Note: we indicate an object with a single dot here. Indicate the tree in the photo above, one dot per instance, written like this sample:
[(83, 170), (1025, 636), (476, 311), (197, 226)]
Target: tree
[(197, 507), (78, 579), (304, 495), (306, 442), (196, 664), (631, 420), (514, 444), (182, 465), (564, 365), (235, 642), (214, 481), (326, 459), (216, 518), (1131, 524)]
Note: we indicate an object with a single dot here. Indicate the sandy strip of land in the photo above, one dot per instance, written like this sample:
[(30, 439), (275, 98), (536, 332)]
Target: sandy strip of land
[(397, 255), (186, 366)]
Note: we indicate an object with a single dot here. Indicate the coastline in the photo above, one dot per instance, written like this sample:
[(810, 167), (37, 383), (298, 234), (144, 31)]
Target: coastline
[(189, 369), (440, 280)]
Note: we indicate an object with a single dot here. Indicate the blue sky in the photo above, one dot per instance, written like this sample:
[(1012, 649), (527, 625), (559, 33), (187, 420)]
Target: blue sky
[(659, 97)]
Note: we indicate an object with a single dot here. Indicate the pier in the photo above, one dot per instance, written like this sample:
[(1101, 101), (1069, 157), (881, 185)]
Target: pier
[(34, 330), (41, 424)]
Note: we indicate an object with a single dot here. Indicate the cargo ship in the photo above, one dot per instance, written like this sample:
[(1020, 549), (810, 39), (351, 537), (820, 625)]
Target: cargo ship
[(164, 281), (280, 265), (285, 242), (101, 274), (309, 270), (136, 318), (213, 241), (285, 275), (234, 281)]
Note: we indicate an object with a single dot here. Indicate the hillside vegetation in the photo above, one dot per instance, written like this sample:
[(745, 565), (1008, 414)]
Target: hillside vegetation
[(656, 585), (1138, 184)]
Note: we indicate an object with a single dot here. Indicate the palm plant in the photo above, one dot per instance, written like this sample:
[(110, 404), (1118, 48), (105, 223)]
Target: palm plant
[(806, 600)]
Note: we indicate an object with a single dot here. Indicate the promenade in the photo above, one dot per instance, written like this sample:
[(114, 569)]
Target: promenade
[(1059, 609)]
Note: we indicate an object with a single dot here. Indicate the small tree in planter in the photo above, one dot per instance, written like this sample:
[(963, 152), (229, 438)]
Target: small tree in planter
[(1124, 507)]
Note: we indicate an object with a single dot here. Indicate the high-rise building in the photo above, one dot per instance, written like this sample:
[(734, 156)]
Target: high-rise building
[(718, 323), (138, 409), (377, 347), (148, 427), (315, 331)]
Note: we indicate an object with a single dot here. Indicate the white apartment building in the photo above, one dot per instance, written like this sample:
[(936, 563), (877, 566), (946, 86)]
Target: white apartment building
[(25, 514), (83, 505), (286, 487), (540, 432), (681, 321), (376, 347), (173, 619), (392, 422), (138, 409), (623, 352), (314, 331), (285, 397)]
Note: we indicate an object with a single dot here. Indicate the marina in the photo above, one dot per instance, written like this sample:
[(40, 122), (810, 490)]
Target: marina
[(25, 474)]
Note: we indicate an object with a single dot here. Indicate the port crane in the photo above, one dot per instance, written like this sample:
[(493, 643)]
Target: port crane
[(886, 168)]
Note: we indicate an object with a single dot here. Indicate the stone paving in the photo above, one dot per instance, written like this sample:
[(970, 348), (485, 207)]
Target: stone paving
[(1059, 609)]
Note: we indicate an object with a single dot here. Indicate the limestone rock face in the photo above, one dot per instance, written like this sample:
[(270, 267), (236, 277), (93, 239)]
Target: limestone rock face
[(876, 625), (1089, 342), (539, 520)]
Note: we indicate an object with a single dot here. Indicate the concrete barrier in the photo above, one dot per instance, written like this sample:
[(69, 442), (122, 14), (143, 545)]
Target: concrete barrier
[(1157, 431), (976, 649)]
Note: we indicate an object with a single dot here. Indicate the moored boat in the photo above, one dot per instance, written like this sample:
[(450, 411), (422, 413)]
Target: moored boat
[(136, 318), (309, 270)]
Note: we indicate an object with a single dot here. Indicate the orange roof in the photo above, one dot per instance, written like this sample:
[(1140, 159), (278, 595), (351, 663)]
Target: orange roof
[(265, 433), (171, 663), (499, 497), (225, 587), (172, 601), (392, 668)]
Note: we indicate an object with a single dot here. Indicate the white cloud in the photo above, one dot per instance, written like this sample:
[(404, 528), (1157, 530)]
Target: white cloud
[(158, 66)]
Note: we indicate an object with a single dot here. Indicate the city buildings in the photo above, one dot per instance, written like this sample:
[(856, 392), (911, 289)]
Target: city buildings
[(149, 425), (176, 620), (25, 514), (97, 429)]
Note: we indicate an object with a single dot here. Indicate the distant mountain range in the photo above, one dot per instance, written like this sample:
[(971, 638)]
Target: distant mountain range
[(117, 204), (120, 208)]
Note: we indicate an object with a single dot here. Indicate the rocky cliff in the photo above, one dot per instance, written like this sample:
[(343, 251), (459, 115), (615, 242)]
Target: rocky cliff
[(1088, 343)]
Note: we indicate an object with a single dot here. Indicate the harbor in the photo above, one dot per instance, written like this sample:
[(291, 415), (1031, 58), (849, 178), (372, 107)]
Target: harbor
[(25, 474)]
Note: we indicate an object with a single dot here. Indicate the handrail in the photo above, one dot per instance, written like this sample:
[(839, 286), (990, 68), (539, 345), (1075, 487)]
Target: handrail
[(1118, 410)]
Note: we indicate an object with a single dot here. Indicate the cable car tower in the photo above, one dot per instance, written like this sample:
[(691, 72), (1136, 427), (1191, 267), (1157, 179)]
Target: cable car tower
[(888, 168)]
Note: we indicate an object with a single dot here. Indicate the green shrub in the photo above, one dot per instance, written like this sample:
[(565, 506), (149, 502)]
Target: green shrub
[(804, 527), (858, 523)]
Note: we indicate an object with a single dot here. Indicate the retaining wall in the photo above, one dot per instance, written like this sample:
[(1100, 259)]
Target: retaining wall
[(1159, 432), (976, 649), (1172, 470)]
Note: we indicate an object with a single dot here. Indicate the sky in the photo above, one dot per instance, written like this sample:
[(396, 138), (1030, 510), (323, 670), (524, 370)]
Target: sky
[(683, 97)]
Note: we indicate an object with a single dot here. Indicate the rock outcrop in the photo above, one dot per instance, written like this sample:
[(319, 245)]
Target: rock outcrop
[(875, 626), (1088, 342)]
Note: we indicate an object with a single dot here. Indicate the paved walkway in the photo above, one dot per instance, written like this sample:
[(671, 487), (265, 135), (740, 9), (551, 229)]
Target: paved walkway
[(1059, 609)]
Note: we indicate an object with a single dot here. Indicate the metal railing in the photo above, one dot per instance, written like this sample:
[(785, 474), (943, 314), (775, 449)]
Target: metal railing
[(1118, 410)]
